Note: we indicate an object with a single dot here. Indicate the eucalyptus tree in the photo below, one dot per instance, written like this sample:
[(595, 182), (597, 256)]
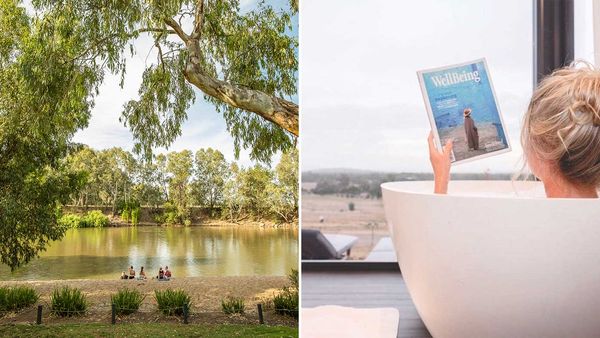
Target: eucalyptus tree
[(233, 203), (211, 172), (179, 167), (149, 184), (85, 161), (284, 192), (43, 102), (255, 186), (243, 61)]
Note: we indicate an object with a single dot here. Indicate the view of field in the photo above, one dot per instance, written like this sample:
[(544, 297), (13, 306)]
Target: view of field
[(366, 221), (328, 194)]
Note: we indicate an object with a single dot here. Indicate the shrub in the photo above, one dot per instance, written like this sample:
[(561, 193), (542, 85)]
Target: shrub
[(95, 218), (351, 206), (286, 302), (232, 305), (135, 216), (174, 215), (125, 214), (293, 278), (67, 302), (127, 301), (70, 221), (17, 298), (171, 302)]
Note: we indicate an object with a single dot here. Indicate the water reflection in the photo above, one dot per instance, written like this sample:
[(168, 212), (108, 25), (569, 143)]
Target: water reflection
[(189, 252)]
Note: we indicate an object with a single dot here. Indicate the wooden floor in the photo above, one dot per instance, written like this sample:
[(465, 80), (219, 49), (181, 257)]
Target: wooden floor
[(364, 290)]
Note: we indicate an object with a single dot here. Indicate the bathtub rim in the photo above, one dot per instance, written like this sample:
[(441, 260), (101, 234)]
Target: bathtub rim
[(396, 187)]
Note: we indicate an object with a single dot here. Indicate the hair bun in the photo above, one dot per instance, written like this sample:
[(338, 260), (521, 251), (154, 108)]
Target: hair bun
[(591, 112)]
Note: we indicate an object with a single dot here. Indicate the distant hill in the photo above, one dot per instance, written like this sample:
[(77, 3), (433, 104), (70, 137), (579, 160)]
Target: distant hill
[(340, 171), (366, 183)]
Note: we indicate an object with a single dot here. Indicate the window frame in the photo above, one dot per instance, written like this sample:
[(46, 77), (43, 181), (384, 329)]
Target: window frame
[(554, 47)]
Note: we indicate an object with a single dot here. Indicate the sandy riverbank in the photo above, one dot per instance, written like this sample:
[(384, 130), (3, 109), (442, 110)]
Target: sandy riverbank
[(206, 294)]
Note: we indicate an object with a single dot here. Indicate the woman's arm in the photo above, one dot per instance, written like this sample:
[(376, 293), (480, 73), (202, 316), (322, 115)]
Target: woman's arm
[(440, 161)]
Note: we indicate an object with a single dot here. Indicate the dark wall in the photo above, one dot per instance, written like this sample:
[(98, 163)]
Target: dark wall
[(555, 46)]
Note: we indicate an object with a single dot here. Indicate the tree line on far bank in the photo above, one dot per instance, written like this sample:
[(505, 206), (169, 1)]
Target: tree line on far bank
[(179, 180)]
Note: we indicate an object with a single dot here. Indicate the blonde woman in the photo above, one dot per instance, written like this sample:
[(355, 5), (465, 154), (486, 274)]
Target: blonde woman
[(560, 135)]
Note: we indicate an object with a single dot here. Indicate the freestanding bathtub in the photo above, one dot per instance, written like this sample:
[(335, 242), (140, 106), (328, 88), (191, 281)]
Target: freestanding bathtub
[(492, 260)]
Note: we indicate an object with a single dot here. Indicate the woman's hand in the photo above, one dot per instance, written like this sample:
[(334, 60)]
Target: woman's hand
[(440, 161)]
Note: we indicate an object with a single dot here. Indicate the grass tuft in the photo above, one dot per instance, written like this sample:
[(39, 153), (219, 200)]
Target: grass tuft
[(17, 298), (127, 301), (67, 302), (171, 302), (232, 305)]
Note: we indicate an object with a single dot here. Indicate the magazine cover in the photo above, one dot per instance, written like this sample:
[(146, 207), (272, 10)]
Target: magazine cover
[(462, 106)]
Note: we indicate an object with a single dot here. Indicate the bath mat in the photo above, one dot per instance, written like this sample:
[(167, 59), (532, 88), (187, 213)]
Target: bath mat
[(338, 321)]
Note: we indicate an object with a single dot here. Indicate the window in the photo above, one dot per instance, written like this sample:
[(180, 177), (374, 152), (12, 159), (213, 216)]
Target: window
[(363, 117)]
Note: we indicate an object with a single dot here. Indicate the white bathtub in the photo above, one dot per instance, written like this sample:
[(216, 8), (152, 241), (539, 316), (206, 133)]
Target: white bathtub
[(486, 262)]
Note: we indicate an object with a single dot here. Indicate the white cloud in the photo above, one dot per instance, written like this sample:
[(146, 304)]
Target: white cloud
[(360, 98)]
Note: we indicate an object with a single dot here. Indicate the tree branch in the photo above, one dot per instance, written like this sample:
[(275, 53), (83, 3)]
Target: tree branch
[(198, 21), (102, 41), (276, 110), (178, 30)]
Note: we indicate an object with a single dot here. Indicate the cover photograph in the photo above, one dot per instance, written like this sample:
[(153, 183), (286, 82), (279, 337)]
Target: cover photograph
[(462, 106)]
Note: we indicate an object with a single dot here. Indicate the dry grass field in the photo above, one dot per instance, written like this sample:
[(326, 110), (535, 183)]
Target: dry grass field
[(367, 221)]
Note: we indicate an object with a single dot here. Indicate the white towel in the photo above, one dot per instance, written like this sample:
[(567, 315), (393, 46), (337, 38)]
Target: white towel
[(333, 321)]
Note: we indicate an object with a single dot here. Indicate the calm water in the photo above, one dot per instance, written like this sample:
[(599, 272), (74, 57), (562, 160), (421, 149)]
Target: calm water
[(189, 252)]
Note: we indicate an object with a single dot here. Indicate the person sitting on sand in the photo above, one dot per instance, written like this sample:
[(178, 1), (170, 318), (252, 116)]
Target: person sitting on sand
[(471, 131), (560, 136), (142, 273), (167, 272), (124, 275), (161, 273), (131, 272)]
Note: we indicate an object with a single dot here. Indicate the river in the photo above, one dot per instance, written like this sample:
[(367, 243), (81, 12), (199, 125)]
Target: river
[(103, 253)]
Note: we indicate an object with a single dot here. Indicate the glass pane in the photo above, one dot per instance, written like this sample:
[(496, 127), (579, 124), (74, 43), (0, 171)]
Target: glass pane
[(363, 116)]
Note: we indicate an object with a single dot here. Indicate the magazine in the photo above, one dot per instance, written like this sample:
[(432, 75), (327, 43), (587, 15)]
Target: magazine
[(461, 104)]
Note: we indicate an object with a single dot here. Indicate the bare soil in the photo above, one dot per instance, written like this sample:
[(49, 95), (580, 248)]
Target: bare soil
[(367, 221), (206, 294)]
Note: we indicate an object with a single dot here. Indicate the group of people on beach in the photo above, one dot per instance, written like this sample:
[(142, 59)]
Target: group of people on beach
[(162, 274)]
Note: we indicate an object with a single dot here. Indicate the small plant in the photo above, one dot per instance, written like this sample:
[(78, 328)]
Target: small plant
[(351, 206), (127, 301), (67, 302), (17, 298), (171, 302), (233, 305)]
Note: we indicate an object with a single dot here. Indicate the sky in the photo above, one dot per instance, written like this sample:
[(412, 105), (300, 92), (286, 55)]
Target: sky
[(205, 127), (361, 105)]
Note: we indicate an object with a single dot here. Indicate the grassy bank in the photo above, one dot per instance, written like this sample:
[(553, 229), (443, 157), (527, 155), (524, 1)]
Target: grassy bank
[(146, 330)]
